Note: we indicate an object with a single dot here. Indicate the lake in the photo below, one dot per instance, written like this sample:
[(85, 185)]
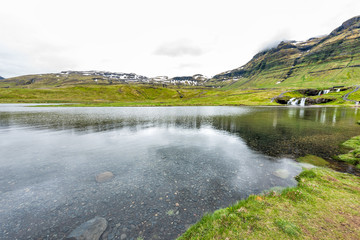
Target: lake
[(171, 165)]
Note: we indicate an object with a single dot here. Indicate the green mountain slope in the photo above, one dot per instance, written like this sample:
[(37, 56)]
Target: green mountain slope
[(318, 62)]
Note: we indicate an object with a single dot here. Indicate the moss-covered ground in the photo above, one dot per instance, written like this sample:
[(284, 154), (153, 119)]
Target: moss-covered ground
[(313, 160)]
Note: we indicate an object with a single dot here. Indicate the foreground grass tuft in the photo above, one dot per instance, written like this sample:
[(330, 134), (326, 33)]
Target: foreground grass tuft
[(288, 227), (324, 205)]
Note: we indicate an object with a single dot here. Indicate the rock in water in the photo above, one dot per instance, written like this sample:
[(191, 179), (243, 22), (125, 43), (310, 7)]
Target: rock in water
[(282, 173), (90, 230), (103, 177)]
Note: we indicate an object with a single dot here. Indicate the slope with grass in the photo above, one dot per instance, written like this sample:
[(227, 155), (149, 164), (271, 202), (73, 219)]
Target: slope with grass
[(318, 62)]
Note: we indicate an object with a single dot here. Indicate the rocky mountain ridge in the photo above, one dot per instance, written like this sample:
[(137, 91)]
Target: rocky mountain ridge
[(291, 62)]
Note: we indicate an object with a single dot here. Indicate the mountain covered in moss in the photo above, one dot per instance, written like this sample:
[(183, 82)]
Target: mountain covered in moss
[(318, 62)]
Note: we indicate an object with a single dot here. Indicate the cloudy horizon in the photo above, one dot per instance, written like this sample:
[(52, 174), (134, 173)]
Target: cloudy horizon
[(158, 37)]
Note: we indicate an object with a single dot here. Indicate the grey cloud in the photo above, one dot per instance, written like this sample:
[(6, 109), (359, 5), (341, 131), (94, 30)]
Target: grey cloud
[(275, 40), (178, 49)]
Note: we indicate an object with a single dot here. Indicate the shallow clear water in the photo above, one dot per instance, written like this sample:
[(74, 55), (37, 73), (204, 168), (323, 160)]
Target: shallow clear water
[(170, 164)]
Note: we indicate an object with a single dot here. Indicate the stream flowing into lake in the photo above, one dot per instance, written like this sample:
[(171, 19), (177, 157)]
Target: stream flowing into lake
[(171, 165)]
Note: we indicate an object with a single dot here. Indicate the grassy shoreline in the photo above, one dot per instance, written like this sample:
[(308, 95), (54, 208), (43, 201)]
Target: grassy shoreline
[(324, 205), (147, 95)]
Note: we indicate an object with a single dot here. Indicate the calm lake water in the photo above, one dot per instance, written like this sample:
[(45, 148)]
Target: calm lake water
[(171, 165)]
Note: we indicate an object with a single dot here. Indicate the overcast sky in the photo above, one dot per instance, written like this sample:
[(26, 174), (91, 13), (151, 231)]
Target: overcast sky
[(155, 37)]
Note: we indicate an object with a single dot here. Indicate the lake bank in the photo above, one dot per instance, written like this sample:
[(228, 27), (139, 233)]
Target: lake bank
[(325, 204), (147, 95)]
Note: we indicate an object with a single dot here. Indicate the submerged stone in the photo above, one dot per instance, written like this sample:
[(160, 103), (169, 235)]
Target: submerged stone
[(103, 177), (281, 173), (307, 165), (90, 230)]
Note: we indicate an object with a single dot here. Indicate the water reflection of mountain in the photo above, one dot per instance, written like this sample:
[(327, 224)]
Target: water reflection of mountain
[(293, 131), (273, 131)]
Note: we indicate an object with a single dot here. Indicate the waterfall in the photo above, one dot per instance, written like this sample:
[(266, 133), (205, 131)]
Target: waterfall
[(297, 102), (338, 90), (302, 102), (293, 101), (290, 101), (324, 92)]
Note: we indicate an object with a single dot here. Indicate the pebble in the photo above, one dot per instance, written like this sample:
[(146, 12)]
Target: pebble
[(123, 236), (104, 177)]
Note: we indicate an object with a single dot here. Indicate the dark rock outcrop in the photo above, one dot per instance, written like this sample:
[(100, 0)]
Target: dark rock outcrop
[(308, 101), (349, 24), (309, 92), (311, 101), (282, 100)]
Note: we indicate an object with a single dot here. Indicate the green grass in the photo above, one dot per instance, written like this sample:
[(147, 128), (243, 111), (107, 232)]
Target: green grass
[(314, 160), (137, 95), (356, 95), (325, 204), (149, 95), (287, 227)]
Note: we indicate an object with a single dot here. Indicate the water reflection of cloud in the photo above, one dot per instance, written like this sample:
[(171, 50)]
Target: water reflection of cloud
[(106, 119)]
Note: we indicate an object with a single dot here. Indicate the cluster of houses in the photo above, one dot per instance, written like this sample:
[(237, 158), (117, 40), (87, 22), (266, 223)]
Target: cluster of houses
[(195, 80), (122, 77)]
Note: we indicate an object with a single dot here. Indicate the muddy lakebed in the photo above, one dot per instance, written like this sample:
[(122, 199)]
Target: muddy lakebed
[(164, 167)]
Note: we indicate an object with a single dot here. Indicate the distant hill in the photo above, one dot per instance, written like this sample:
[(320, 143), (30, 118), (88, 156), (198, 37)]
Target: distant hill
[(66, 78), (318, 62), (1, 77)]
